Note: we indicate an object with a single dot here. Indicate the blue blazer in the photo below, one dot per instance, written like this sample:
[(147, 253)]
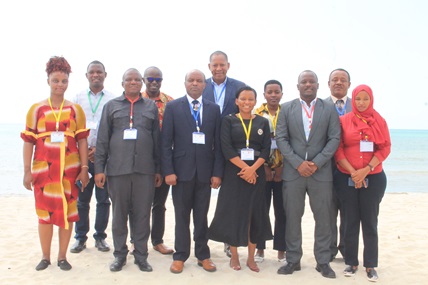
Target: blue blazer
[(232, 85), (348, 104), (179, 155)]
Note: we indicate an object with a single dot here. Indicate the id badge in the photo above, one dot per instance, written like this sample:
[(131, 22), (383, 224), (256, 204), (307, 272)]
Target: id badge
[(273, 144), (57, 137), (92, 125), (366, 146), (247, 154), (130, 134), (198, 138)]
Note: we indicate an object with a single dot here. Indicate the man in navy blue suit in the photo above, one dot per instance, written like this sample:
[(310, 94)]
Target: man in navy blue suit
[(221, 89), (192, 163)]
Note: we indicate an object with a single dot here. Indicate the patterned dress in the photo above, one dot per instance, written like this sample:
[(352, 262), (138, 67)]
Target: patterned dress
[(55, 165)]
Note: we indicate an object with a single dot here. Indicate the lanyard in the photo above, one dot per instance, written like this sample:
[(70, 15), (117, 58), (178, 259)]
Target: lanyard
[(59, 115), (309, 115), (98, 103), (195, 114), (247, 131), (273, 119), (217, 98), (132, 110), (361, 118), (341, 113)]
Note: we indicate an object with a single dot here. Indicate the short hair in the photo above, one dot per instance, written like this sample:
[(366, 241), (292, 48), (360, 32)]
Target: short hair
[(57, 63), (194, 70), (96, 62), (308, 71), (245, 88), (340, 69), (219, 52), (273, 81), (129, 70)]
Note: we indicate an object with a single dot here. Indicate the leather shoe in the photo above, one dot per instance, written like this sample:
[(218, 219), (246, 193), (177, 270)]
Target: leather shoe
[(162, 248), (325, 270), (143, 265), (227, 250), (289, 268), (177, 266), (78, 246), (102, 245), (117, 264), (208, 265)]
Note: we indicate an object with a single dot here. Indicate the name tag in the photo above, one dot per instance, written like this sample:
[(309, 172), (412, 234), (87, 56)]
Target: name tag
[(247, 154), (273, 144), (366, 146), (130, 134), (57, 137), (198, 138), (92, 125)]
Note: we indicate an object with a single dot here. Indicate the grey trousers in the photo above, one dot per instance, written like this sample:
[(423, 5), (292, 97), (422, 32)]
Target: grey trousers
[(320, 199), (131, 192)]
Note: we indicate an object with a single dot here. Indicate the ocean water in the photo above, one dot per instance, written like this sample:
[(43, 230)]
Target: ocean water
[(406, 167)]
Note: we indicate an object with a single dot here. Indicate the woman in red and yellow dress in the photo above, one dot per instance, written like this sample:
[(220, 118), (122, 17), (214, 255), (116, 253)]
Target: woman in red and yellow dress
[(56, 134)]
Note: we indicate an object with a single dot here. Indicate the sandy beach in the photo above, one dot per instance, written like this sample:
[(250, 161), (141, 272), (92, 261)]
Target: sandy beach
[(403, 249)]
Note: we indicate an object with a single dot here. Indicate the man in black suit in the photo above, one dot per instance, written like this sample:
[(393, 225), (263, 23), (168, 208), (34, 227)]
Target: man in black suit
[(192, 163), (221, 89), (339, 82)]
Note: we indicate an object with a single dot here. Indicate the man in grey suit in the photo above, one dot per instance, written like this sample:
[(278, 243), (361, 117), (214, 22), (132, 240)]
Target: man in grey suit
[(308, 134), (221, 89), (339, 82)]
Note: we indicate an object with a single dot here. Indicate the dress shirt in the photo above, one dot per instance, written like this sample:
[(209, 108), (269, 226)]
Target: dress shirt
[(81, 98), (199, 99), (217, 90), (306, 123)]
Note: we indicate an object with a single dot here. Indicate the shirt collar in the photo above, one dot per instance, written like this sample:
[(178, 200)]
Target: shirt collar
[(221, 84), (345, 98), (190, 99)]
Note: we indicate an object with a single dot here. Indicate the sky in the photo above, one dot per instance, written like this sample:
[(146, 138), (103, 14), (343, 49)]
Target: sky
[(382, 43)]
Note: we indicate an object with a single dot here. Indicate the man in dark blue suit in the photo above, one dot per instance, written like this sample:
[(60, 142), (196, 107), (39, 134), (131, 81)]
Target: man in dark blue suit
[(221, 89), (339, 82), (192, 163)]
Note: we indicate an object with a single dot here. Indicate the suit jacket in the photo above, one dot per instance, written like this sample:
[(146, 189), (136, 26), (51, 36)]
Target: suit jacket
[(322, 143), (179, 155), (348, 103), (232, 85)]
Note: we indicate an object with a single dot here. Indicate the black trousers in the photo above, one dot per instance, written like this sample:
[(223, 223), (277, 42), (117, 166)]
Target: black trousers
[(158, 213), (361, 208), (191, 196), (273, 192)]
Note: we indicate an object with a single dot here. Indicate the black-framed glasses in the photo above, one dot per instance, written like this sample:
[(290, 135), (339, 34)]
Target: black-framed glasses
[(151, 79)]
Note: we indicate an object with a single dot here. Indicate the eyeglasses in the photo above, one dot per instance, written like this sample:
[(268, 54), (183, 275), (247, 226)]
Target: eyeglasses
[(151, 79)]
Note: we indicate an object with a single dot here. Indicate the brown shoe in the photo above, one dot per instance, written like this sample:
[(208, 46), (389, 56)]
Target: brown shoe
[(208, 265), (162, 248), (177, 266)]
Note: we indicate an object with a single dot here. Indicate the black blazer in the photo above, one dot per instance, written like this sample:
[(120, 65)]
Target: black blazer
[(179, 155)]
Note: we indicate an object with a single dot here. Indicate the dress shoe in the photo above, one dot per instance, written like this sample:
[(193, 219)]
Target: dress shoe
[(207, 265), (177, 266), (372, 275), (102, 245), (64, 265), (289, 268), (117, 264), (43, 264), (78, 246), (325, 270), (162, 248), (227, 250), (350, 271), (143, 265)]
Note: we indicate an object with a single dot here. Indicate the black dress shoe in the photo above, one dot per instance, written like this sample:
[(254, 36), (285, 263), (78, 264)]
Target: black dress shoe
[(64, 265), (102, 245), (78, 246), (117, 264), (289, 268), (143, 265), (43, 264), (326, 270)]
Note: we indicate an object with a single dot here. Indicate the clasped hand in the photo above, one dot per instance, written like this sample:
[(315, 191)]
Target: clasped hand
[(248, 174), (307, 168)]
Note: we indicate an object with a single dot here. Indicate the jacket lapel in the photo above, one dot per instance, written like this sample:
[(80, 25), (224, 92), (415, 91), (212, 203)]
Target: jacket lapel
[(319, 108), (186, 111), (298, 113)]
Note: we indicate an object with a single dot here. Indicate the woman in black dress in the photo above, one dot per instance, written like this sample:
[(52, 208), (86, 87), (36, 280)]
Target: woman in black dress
[(241, 217)]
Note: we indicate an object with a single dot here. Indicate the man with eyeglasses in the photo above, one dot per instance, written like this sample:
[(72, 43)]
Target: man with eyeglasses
[(153, 81), (221, 90)]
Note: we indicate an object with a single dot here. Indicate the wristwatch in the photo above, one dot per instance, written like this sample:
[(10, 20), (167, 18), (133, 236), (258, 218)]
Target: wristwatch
[(370, 166)]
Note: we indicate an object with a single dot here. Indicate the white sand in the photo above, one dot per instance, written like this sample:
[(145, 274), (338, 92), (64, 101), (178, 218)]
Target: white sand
[(403, 250)]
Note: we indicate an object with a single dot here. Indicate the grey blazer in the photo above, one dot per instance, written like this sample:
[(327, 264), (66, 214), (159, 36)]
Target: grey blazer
[(322, 143)]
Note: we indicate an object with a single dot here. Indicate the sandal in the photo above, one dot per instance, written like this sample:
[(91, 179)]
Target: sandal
[(43, 264), (64, 265), (254, 268)]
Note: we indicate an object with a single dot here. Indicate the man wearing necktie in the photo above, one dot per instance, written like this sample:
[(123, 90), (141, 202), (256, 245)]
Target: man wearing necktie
[(192, 163), (339, 83)]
